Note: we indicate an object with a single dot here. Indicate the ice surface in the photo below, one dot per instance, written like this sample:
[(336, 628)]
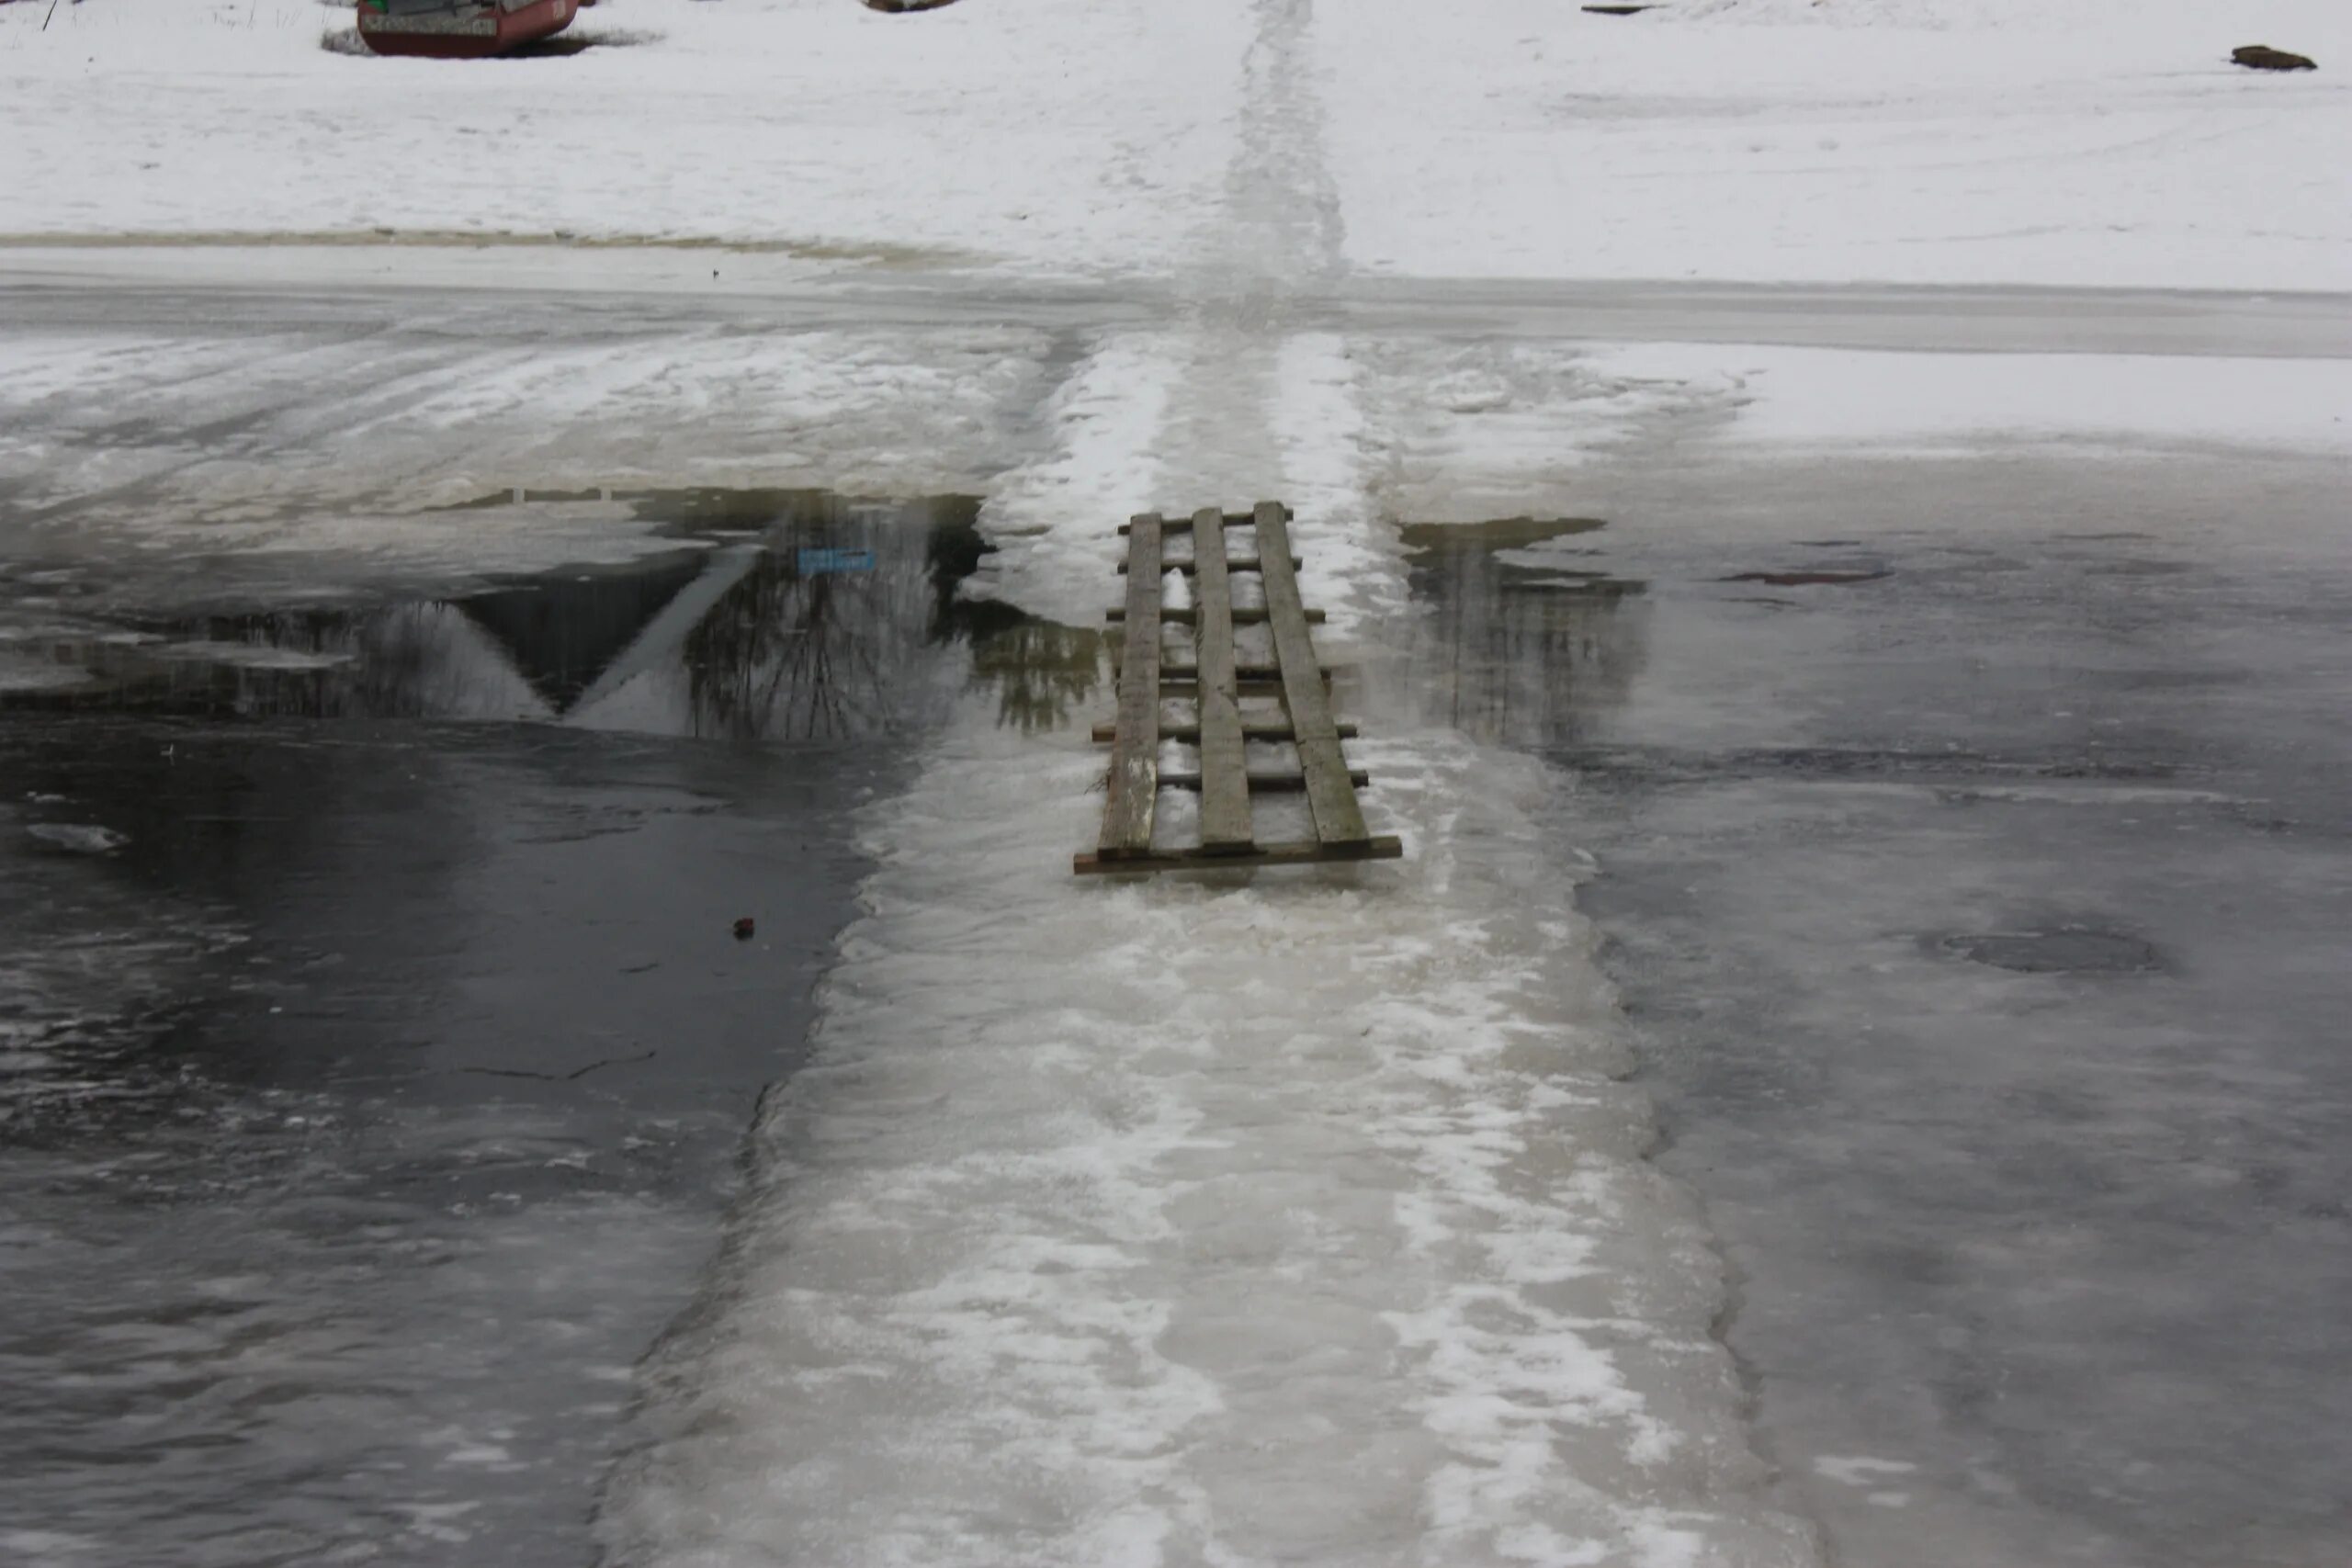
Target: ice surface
[(1978, 918), (360, 443), (316, 1247), (82, 837), (1184, 1224), (22, 674), (1922, 404), (1304, 1217)]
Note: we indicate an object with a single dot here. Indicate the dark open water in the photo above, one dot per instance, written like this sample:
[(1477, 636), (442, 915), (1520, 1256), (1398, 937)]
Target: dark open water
[(374, 1045)]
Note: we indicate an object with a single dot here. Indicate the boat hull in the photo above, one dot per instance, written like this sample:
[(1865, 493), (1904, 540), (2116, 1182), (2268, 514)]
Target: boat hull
[(466, 31)]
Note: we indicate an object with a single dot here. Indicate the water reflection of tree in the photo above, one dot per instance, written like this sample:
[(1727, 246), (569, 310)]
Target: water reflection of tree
[(780, 653), (402, 662), (405, 667), (343, 665), (1040, 670), (787, 656), (1527, 656), (838, 654)]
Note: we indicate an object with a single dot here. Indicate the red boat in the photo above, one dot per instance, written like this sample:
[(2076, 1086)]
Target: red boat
[(459, 29)]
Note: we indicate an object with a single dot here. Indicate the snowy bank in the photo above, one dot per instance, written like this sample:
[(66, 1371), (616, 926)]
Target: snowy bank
[(1049, 133), (1922, 141), (1908, 140)]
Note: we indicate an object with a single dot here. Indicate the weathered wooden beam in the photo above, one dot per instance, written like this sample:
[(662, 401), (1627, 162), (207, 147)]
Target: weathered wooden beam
[(1237, 563), (1134, 761), (1251, 729), (1262, 780), (1250, 681), (1242, 616), (1184, 671), (1182, 525), (1312, 852), (1225, 782), (1338, 818)]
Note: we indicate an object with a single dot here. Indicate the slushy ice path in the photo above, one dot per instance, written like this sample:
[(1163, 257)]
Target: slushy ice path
[(1303, 1221)]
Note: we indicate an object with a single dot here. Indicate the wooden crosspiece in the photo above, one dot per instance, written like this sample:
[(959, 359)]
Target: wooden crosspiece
[(1214, 681)]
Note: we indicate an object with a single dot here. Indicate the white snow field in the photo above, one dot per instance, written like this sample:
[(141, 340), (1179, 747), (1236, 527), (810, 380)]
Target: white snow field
[(2085, 142), (2073, 141), (1301, 1221)]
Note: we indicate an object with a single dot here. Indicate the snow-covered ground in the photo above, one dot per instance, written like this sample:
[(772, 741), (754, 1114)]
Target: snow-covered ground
[(2094, 143), (1056, 134), (2091, 142)]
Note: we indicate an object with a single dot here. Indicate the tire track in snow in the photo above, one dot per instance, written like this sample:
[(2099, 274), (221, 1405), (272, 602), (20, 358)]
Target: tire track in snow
[(1273, 244)]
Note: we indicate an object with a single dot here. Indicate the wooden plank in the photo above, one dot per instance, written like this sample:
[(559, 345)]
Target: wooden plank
[(1251, 729), (1238, 563), (1134, 760), (1179, 687), (1225, 782), (1339, 819), (1183, 524), (1313, 851), (1242, 616), (1183, 672), (1270, 783)]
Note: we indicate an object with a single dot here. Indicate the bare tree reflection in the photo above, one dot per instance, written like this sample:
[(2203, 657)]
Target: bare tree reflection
[(819, 656), (802, 616), (1042, 670), (1524, 654), (861, 643)]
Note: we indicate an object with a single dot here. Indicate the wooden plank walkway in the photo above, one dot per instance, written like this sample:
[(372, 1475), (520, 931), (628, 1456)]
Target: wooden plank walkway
[(1215, 681), (1135, 763), (1225, 785)]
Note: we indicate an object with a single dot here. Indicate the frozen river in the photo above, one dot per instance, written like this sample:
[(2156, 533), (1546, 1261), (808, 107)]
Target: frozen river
[(1938, 861)]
